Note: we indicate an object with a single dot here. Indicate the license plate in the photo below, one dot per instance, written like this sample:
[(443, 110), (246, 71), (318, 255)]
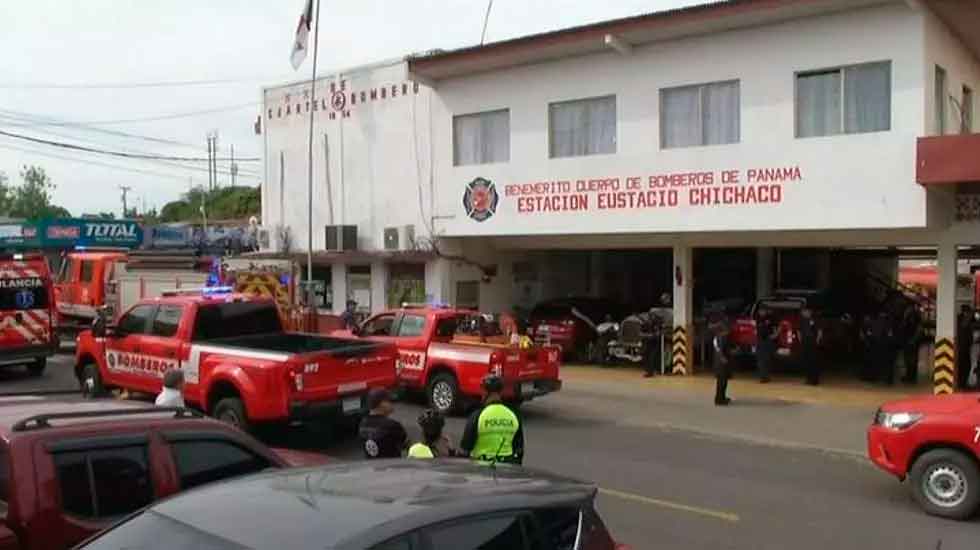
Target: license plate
[(351, 404), (782, 351), (527, 388)]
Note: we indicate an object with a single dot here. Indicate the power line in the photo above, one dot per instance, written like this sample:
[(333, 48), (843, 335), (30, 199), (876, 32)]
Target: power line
[(147, 119), (131, 85), (94, 163), (123, 154)]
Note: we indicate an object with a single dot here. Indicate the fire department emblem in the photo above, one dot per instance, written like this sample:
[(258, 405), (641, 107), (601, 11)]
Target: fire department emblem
[(338, 101), (480, 199)]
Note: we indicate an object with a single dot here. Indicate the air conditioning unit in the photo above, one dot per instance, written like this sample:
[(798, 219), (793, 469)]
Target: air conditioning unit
[(407, 237), (341, 237), (392, 239)]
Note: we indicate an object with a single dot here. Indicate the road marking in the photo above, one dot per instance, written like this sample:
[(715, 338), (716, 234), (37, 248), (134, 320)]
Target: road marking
[(716, 514)]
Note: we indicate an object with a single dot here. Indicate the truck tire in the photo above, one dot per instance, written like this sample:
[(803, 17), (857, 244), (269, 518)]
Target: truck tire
[(37, 367), (231, 410), (946, 483), (91, 382), (443, 393)]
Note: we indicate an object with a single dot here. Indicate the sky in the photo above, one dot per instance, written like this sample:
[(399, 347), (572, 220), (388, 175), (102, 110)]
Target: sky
[(91, 72)]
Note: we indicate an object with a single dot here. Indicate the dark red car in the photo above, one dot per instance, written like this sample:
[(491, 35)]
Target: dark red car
[(570, 323), (70, 467), (787, 313)]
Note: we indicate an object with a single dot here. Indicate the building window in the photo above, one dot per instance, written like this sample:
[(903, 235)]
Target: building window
[(706, 114), (940, 91), (481, 138), (847, 100), (582, 127), (468, 294), (966, 125)]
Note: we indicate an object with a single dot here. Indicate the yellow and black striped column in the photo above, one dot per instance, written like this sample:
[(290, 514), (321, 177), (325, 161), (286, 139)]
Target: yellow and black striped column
[(680, 363), (944, 367)]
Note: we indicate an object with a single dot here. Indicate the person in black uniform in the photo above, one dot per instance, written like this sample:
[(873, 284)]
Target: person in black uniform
[(765, 344), (381, 437), (810, 336), (722, 363), (964, 338), (911, 337), (881, 348)]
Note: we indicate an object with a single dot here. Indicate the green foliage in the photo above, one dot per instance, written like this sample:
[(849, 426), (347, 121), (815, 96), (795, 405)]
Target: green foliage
[(32, 198), (227, 203)]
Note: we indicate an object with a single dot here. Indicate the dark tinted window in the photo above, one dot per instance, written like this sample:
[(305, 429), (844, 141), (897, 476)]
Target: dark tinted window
[(379, 326), (135, 321), (23, 293), (398, 544), (559, 526), (166, 321), (200, 462), (102, 483), (411, 325), (4, 471), (225, 320), (499, 533), (550, 311), (87, 271)]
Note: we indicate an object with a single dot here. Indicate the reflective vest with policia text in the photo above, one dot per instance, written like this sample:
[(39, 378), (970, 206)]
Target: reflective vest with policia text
[(496, 429), (420, 450)]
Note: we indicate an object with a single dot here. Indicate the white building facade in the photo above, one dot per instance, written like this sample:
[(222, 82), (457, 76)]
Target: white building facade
[(750, 124)]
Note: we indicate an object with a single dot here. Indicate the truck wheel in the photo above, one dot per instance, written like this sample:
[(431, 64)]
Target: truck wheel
[(37, 367), (91, 382), (946, 483), (231, 410), (443, 392)]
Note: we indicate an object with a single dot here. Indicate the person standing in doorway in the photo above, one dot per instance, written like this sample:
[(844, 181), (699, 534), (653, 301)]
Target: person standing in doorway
[(765, 344), (722, 363), (881, 348), (911, 338), (810, 337)]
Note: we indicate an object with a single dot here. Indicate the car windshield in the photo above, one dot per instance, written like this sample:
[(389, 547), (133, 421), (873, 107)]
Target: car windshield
[(229, 319), (152, 530)]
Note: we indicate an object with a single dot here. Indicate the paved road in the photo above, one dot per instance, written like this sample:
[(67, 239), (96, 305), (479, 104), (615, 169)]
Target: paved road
[(665, 488)]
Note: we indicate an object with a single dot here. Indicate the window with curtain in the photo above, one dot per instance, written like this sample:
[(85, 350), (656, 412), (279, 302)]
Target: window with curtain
[(846, 100), (705, 114), (481, 138), (582, 127)]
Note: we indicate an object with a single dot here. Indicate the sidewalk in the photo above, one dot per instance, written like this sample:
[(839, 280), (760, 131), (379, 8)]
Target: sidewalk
[(832, 417)]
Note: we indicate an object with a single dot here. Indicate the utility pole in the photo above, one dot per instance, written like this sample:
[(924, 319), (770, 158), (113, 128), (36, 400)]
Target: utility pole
[(210, 176), (234, 168), (212, 160), (125, 189)]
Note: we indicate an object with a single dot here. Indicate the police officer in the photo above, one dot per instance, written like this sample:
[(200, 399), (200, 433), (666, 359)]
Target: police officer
[(766, 344), (494, 432), (810, 336), (722, 363), (381, 436)]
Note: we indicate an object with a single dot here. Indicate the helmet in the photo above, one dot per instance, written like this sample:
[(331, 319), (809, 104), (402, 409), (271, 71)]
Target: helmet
[(431, 422), (492, 384)]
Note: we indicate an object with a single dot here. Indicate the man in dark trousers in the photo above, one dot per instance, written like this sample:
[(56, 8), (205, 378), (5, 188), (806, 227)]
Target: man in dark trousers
[(765, 347), (882, 344), (381, 436), (911, 337), (494, 433), (810, 336), (722, 363), (964, 339)]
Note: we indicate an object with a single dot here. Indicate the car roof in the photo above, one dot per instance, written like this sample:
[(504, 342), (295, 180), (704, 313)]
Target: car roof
[(358, 505), (119, 414), (184, 299)]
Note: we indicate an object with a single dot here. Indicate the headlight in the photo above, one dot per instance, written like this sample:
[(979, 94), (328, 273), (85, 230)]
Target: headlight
[(897, 421)]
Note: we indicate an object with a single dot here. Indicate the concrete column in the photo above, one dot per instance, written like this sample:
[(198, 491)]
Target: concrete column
[(338, 283), (438, 281), (683, 275), (944, 365), (379, 286), (765, 271)]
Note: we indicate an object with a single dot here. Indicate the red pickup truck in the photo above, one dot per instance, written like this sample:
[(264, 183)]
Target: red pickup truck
[(72, 468), (434, 357), (935, 442), (239, 366)]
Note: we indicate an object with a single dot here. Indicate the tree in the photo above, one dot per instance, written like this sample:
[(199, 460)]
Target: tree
[(226, 203), (32, 198), (5, 193)]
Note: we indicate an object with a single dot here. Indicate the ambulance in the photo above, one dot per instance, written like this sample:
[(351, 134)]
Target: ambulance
[(28, 319)]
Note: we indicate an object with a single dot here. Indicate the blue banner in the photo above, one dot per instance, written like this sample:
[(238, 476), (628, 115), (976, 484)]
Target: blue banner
[(72, 232)]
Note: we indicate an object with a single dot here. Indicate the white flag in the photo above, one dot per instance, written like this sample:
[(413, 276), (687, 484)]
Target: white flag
[(302, 36)]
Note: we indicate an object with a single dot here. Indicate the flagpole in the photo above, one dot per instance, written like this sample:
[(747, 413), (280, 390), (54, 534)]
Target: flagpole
[(309, 233)]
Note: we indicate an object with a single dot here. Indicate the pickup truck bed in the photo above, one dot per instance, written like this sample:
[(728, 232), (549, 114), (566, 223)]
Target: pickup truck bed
[(297, 343)]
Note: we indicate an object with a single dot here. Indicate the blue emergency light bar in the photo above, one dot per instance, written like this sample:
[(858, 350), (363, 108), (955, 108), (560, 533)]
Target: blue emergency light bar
[(203, 291), (212, 290)]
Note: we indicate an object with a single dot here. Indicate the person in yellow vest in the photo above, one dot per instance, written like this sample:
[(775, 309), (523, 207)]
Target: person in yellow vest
[(434, 444), (494, 432)]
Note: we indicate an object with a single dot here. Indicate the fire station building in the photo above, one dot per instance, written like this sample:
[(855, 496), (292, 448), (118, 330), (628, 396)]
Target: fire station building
[(717, 152)]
